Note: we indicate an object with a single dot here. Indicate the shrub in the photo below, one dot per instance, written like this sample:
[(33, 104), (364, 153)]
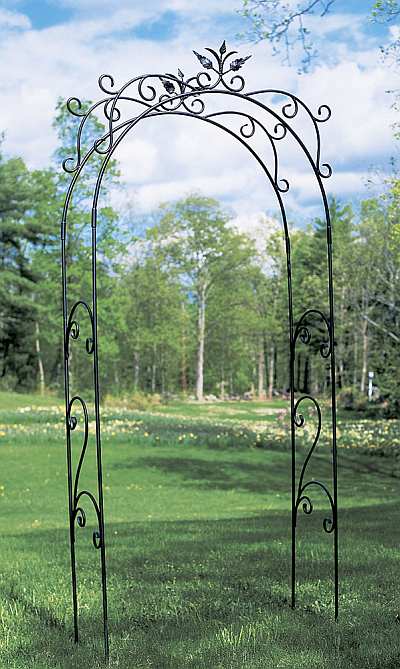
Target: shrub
[(136, 400), (351, 400)]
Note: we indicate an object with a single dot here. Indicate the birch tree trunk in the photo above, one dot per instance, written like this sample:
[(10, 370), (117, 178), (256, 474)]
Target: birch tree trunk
[(261, 370), (162, 374), (364, 334), (271, 371), (355, 359), (39, 359), (183, 354), (154, 370), (222, 383), (340, 345), (201, 327), (231, 388), (364, 356), (136, 370)]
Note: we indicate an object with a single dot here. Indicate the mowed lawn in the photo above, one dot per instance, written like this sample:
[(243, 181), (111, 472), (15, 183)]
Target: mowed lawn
[(198, 547)]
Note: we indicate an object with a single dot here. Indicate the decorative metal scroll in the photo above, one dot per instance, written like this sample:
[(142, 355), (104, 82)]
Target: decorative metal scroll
[(121, 109)]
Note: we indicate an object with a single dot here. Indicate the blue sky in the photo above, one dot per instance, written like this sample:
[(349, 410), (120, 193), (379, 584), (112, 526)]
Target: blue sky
[(50, 48), (47, 13)]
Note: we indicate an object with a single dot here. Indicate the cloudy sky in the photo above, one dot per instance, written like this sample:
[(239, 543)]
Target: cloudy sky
[(52, 48)]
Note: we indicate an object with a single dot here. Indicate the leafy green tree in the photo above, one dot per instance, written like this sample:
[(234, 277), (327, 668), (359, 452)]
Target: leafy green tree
[(152, 321), (198, 245), (20, 233), (232, 333), (52, 185), (270, 290), (379, 304)]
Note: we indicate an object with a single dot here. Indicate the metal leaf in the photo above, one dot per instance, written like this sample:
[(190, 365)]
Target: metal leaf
[(168, 85), (180, 74), (222, 48), (206, 62), (238, 63)]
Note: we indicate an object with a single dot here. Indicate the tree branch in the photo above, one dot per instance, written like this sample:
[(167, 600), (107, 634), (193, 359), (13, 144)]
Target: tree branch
[(382, 328), (275, 21)]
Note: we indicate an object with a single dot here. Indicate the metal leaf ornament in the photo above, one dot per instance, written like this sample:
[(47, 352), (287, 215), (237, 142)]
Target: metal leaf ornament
[(168, 85), (222, 48), (238, 63), (206, 62)]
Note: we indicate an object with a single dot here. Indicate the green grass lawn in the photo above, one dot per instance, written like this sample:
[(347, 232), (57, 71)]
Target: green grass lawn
[(198, 546), (244, 410), (10, 401)]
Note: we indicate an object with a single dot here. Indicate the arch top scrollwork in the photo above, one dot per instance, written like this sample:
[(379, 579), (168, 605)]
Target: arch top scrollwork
[(158, 94)]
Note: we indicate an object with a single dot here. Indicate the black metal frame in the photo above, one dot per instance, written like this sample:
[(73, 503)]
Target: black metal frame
[(169, 94)]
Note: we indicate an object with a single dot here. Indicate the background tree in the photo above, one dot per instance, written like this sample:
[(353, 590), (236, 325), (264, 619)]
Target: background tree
[(20, 233), (152, 323), (54, 183), (197, 244), (283, 24)]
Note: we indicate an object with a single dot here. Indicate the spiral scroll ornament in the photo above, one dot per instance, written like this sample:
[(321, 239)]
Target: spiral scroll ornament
[(73, 333), (247, 130), (79, 496), (73, 327), (303, 331), (303, 498), (290, 110), (157, 94)]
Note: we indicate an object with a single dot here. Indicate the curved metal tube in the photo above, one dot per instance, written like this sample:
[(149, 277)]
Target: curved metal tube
[(300, 422), (73, 329), (184, 97), (303, 333), (160, 106), (328, 523)]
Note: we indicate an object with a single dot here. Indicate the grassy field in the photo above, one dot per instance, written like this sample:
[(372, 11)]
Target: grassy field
[(237, 411), (198, 542)]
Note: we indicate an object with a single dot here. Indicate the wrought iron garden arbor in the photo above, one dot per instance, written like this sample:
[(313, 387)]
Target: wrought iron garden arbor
[(254, 123)]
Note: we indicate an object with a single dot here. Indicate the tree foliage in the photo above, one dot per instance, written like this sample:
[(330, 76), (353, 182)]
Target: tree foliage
[(284, 25), (190, 305)]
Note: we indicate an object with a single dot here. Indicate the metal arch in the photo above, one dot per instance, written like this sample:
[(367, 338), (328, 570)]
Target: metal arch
[(326, 351), (189, 102)]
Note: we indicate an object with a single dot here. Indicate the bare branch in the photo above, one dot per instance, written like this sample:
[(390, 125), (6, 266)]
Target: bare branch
[(283, 25), (382, 329)]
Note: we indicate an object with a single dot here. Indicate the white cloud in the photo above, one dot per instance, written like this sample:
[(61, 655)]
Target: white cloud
[(157, 6), (166, 159), (10, 19)]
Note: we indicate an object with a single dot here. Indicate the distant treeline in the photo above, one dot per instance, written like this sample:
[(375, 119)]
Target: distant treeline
[(191, 305)]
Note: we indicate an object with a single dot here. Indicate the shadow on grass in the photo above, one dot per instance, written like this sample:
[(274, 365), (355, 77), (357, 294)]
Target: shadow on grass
[(175, 583), (221, 474), (265, 477), (370, 463)]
